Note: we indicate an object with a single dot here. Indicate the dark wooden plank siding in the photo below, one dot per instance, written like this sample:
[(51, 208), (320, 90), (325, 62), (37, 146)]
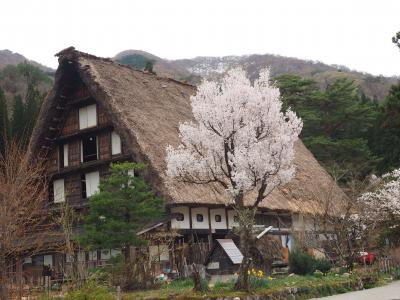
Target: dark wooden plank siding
[(71, 124), (73, 189), (74, 153), (52, 163), (104, 144), (102, 118)]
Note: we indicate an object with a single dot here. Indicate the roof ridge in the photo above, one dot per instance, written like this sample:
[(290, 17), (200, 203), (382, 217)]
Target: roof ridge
[(72, 53)]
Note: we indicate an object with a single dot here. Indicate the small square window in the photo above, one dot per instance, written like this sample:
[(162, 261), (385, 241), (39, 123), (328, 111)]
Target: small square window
[(180, 217), (218, 218), (199, 218)]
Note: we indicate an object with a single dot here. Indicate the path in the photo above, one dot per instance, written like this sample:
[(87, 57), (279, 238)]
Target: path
[(387, 292)]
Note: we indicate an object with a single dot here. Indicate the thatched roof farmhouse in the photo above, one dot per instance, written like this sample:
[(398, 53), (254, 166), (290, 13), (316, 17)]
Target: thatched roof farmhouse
[(100, 112)]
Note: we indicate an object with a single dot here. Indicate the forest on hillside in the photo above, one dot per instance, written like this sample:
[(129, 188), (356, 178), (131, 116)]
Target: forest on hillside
[(23, 88), (348, 132)]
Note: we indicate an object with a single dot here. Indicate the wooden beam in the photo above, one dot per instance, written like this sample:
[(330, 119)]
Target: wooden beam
[(190, 217), (90, 165), (82, 132)]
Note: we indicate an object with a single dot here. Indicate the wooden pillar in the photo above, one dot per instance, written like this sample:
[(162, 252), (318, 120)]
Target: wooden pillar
[(210, 240)]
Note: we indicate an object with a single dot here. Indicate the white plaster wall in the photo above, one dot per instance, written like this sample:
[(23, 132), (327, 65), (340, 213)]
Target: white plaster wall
[(231, 222), (185, 224), (218, 225), (204, 212)]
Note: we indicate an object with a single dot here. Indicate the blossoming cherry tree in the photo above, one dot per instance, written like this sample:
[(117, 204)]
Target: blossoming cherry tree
[(241, 140)]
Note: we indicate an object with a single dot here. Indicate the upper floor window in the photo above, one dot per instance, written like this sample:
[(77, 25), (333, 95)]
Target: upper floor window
[(115, 143), (89, 148), (90, 184), (59, 190), (87, 116), (218, 218), (64, 155)]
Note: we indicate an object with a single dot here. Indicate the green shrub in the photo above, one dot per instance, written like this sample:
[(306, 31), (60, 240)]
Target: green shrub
[(323, 265), (204, 285), (90, 291), (301, 263), (396, 274), (224, 286)]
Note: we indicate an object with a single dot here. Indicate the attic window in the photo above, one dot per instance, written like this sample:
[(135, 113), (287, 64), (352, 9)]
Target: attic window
[(87, 116), (89, 148), (115, 143), (199, 218)]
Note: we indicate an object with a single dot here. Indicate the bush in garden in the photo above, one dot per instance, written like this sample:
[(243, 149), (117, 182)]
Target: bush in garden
[(90, 291), (224, 285), (323, 265), (301, 263)]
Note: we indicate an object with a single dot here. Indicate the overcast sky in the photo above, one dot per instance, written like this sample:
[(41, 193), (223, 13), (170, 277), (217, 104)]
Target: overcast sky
[(352, 33)]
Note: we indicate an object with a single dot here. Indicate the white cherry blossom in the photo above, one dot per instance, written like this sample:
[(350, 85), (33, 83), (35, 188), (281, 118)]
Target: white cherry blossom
[(240, 138)]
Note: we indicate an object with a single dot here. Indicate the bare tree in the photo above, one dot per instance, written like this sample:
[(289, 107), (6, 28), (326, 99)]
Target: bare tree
[(24, 219), (339, 221)]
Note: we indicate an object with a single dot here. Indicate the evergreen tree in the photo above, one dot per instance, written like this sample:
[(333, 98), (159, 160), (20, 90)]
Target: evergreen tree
[(33, 102), (149, 67), (386, 137), (123, 205), (337, 122), (4, 126), (303, 96), (18, 128)]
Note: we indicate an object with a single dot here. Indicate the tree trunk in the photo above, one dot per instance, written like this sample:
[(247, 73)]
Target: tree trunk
[(4, 280), (19, 276), (127, 253), (196, 278), (246, 221)]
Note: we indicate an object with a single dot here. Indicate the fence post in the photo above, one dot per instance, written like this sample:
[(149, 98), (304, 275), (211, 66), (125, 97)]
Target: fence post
[(119, 293)]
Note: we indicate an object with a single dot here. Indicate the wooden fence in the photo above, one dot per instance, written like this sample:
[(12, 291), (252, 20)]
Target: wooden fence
[(387, 264)]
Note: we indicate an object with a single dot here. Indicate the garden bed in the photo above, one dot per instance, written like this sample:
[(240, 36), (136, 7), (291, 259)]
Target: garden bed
[(288, 287), (302, 287)]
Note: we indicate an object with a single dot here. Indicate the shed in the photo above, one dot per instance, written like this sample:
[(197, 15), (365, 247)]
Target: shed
[(224, 258)]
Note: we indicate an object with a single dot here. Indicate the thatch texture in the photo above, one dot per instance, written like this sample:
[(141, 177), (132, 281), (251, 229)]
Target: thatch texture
[(146, 110)]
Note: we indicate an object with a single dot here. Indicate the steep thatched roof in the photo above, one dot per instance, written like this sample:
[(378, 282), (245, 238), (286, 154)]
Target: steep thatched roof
[(146, 110)]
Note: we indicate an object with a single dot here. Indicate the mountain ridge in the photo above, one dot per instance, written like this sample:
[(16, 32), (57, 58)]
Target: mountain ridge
[(8, 57), (192, 70)]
